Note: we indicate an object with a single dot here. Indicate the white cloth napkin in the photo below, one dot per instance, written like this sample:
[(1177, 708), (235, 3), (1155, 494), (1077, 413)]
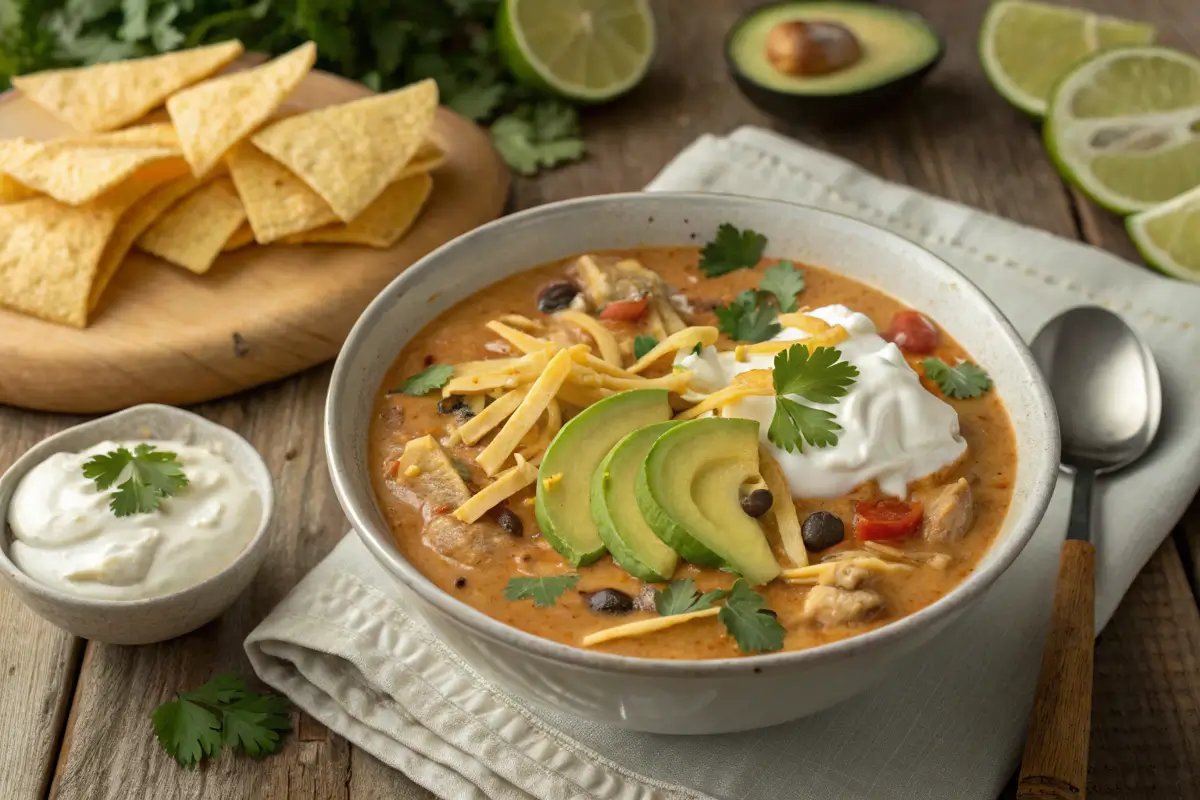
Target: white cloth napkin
[(348, 649)]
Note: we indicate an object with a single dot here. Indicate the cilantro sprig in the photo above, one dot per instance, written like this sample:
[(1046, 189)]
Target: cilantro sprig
[(152, 475), (642, 345), (752, 625), (682, 597), (425, 381), (731, 250), (543, 591), (820, 377), (783, 281), (221, 714), (964, 381), (749, 318)]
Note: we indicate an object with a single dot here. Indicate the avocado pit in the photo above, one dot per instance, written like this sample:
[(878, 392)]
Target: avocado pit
[(796, 47)]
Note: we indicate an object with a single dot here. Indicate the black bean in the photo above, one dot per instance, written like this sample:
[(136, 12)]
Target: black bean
[(822, 530), (610, 601), (510, 522), (556, 296), (460, 583), (452, 404), (758, 502)]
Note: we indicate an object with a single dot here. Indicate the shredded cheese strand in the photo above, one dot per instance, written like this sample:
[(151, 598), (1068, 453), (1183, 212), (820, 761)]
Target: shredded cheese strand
[(755, 383), (834, 336), (610, 351), (482, 423), (644, 626), (805, 322), (553, 423), (505, 486), (783, 510), (531, 344), (685, 339), (525, 371), (471, 369), (523, 323), (674, 382), (527, 413), (573, 394)]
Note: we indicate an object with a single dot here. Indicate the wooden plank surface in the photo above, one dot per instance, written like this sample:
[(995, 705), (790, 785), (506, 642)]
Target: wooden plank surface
[(956, 139)]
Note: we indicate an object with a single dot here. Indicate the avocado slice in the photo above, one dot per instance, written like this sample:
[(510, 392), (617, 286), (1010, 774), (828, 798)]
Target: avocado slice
[(563, 505), (631, 541), (689, 491), (842, 60)]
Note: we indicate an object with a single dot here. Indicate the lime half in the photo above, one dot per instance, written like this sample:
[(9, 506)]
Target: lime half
[(1027, 47), (584, 50), (1124, 127), (1168, 236)]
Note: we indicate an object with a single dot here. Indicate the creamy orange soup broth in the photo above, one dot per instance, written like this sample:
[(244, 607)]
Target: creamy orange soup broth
[(476, 570)]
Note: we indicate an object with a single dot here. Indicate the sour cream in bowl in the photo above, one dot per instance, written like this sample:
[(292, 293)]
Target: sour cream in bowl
[(136, 527)]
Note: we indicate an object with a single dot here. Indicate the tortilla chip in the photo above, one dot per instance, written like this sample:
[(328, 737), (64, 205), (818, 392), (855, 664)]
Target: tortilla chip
[(14, 151), (193, 233), (156, 134), (384, 221), (52, 255), (350, 153), (219, 113), (241, 237), (76, 172), (108, 96), (278, 203), (427, 158)]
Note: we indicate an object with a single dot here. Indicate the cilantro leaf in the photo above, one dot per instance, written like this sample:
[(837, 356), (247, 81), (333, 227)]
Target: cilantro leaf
[(965, 381), (794, 423), (747, 618), (425, 381), (682, 597), (643, 345), (698, 349), (731, 250), (785, 282), (153, 475), (543, 591), (749, 318), (476, 102), (821, 376), (220, 714), (542, 136)]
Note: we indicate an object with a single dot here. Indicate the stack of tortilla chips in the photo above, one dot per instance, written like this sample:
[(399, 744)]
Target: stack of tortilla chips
[(225, 171)]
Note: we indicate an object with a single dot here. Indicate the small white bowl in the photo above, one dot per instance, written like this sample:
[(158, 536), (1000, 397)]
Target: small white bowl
[(158, 618)]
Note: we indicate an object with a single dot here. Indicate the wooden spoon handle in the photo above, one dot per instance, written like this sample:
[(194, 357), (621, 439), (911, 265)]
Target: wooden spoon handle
[(1054, 766)]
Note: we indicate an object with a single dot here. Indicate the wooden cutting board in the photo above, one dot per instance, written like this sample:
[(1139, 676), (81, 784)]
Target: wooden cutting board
[(162, 334)]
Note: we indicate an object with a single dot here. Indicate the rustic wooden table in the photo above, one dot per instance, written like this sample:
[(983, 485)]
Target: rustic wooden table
[(74, 715)]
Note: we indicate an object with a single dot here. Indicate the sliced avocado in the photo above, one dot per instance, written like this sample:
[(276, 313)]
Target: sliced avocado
[(829, 59), (564, 487), (630, 540), (689, 491)]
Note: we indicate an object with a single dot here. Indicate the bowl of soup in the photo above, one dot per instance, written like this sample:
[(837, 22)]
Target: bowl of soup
[(688, 463)]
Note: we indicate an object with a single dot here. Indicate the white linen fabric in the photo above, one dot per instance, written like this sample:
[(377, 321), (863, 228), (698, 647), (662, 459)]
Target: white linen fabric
[(347, 648)]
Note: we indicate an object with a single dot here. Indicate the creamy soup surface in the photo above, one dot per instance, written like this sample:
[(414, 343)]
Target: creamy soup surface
[(476, 568)]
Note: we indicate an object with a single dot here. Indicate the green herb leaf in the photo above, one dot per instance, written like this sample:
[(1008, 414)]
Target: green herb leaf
[(643, 345), (785, 282), (153, 475), (749, 318), (682, 597), (731, 250), (965, 381), (543, 591), (821, 377), (221, 713), (747, 618), (425, 381), (794, 423), (698, 349), (477, 102), (542, 136)]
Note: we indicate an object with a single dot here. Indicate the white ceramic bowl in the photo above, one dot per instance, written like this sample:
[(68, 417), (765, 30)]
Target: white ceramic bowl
[(683, 697), (158, 618)]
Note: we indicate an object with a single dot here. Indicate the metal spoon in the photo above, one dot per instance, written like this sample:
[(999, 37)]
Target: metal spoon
[(1106, 387)]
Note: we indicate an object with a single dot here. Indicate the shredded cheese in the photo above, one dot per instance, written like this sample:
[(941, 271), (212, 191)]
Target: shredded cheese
[(754, 383), (676, 381), (412, 471), (531, 344), (526, 416), (821, 573), (610, 351), (482, 423), (526, 370), (471, 369), (553, 423), (505, 486), (670, 319), (783, 510), (685, 339), (644, 626), (581, 396), (552, 481), (805, 322), (654, 324), (835, 335), (522, 323)]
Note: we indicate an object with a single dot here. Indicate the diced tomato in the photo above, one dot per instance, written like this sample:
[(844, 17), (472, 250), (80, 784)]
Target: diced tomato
[(913, 332), (887, 519), (625, 310)]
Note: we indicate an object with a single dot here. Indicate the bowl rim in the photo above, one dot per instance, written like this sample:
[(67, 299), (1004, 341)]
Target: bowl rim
[(53, 444), (381, 545)]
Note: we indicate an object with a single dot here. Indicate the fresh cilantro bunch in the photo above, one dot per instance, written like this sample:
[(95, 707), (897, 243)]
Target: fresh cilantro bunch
[(744, 614), (152, 475), (821, 377), (682, 597), (752, 316), (749, 318), (222, 713), (731, 250)]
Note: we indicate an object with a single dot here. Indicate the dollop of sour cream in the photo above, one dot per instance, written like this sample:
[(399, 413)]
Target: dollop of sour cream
[(66, 537), (893, 430)]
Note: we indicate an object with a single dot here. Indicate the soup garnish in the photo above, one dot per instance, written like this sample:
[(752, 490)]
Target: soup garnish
[(669, 436)]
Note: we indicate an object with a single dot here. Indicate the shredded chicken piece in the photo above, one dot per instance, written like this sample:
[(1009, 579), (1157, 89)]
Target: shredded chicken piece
[(829, 605), (844, 576), (951, 513)]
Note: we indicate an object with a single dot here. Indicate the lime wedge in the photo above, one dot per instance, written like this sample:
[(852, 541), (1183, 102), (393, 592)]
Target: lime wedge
[(1124, 127), (1168, 236), (1026, 47), (585, 50)]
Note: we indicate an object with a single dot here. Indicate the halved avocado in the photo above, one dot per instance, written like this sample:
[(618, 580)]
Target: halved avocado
[(629, 538), (829, 60), (564, 487), (689, 491)]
